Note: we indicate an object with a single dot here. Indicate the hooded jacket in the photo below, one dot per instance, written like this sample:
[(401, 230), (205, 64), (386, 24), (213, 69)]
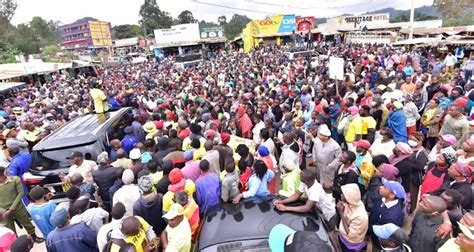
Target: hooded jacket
[(147, 209), (355, 213)]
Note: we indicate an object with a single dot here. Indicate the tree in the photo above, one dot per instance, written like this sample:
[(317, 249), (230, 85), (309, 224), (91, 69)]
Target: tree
[(23, 38), (127, 31), (8, 8), (33, 36), (452, 9), (51, 50), (235, 26), (205, 24), (153, 18), (419, 16), (186, 17), (222, 20)]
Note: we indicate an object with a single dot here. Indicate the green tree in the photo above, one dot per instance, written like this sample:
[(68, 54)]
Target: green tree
[(419, 16), (47, 32), (32, 37), (454, 9), (127, 31), (51, 50), (205, 24), (235, 26), (23, 38), (186, 17), (153, 18), (8, 8)]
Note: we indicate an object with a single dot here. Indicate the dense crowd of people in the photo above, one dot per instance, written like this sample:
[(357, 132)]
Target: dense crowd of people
[(393, 139)]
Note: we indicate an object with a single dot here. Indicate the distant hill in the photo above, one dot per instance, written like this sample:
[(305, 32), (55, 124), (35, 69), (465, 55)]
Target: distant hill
[(428, 10)]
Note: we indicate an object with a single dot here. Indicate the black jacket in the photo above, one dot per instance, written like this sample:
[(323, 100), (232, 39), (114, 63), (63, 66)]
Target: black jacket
[(104, 177)]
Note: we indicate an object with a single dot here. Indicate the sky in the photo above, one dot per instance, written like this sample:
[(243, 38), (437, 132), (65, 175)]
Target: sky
[(126, 11)]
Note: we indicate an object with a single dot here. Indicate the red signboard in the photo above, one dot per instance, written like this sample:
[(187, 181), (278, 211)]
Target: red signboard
[(304, 23)]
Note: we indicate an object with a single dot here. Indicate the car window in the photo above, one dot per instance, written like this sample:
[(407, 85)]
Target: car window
[(116, 129)]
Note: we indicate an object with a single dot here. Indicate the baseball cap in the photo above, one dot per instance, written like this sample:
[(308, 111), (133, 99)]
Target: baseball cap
[(285, 239), (363, 144), (391, 232), (449, 139), (74, 155), (58, 217), (175, 210), (395, 187)]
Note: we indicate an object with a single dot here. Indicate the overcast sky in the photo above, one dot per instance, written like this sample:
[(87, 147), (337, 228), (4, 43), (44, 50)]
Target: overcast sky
[(126, 11)]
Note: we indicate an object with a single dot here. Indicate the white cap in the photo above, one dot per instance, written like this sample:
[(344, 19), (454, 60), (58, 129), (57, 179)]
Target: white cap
[(135, 154), (324, 130)]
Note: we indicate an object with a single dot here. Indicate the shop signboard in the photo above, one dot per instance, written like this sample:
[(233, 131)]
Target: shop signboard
[(304, 24), (360, 21), (274, 25), (211, 32), (177, 33)]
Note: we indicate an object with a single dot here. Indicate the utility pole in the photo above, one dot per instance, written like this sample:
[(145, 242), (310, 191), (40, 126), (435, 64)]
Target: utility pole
[(146, 38), (412, 18)]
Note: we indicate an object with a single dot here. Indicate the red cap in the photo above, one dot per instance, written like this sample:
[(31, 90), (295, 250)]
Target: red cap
[(210, 133), (241, 110), (363, 144), (175, 176), (159, 124), (225, 137)]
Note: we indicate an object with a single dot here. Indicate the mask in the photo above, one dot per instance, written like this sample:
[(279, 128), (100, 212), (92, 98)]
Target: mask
[(412, 143), (373, 104), (331, 103)]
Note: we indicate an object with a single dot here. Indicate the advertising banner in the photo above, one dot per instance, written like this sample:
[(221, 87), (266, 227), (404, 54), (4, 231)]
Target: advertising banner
[(274, 25), (358, 22), (177, 33), (304, 24), (211, 32)]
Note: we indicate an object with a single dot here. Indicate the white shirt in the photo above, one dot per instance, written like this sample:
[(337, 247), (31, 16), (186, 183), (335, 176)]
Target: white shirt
[(317, 194), (450, 60), (127, 195), (379, 148), (179, 237), (256, 132), (93, 217), (85, 169), (104, 230)]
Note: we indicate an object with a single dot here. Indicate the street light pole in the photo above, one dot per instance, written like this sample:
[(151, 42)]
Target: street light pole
[(412, 18), (146, 38)]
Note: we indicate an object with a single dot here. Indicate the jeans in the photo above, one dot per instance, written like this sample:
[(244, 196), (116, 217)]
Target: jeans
[(467, 75)]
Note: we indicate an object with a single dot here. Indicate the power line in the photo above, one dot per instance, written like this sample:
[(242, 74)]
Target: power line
[(235, 8)]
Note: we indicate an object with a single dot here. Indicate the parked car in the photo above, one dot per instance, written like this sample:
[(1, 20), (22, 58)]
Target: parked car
[(245, 227), (89, 134)]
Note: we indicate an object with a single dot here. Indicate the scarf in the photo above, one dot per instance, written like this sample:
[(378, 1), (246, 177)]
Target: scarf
[(405, 152)]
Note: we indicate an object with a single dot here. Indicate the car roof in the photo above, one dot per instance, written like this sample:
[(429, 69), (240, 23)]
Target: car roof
[(254, 219), (83, 129)]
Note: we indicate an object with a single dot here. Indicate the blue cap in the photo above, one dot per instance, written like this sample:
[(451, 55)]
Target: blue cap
[(390, 232), (188, 154), (58, 217), (277, 237), (395, 187), (263, 151)]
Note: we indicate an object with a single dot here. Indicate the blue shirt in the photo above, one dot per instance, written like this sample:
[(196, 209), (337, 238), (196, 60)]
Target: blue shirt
[(19, 165), (114, 104), (257, 186), (75, 237), (128, 143), (397, 122), (358, 162), (208, 191), (408, 70), (41, 215)]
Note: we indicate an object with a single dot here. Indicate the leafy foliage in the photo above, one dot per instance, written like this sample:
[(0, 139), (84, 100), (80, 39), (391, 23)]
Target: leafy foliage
[(153, 18), (235, 26), (126, 31), (186, 17)]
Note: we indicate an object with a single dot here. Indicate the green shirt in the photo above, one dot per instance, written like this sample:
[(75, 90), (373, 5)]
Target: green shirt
[(11, 192)]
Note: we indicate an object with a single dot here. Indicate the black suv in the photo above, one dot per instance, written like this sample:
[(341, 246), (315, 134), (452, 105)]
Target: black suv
[(89, 134)]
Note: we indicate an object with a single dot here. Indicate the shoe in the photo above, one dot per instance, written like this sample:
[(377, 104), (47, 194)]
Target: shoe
[(37, 239)]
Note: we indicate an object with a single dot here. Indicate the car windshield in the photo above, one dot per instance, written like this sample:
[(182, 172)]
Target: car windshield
[(259, 245)]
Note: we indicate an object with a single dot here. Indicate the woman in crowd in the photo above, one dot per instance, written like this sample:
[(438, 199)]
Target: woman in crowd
[(257, 183)]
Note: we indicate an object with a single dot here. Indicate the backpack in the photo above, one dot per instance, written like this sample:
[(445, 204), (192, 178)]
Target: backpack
[(124, 246)]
